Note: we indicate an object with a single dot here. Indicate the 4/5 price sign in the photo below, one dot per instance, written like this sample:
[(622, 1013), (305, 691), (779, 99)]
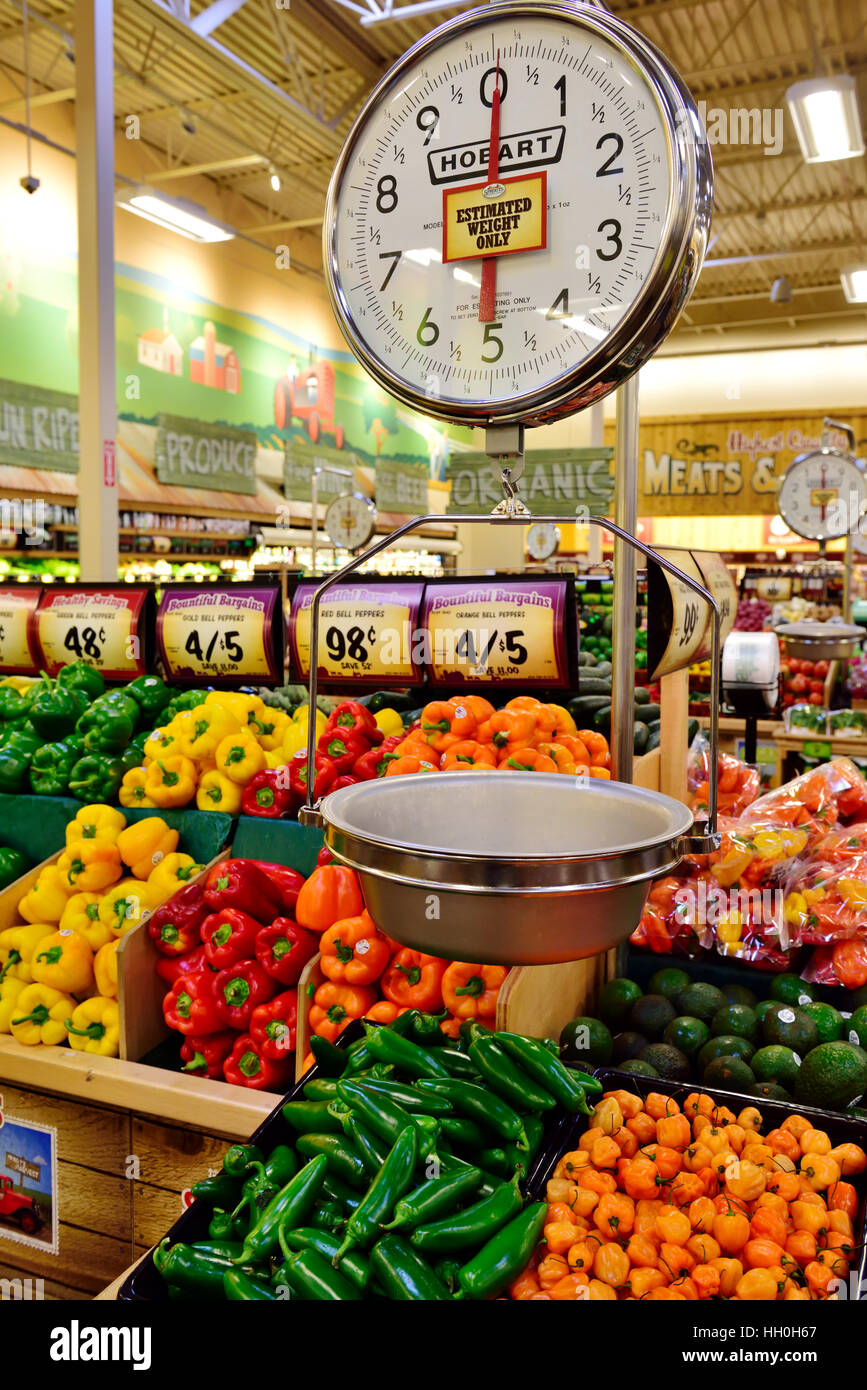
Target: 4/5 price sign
[(368, 633), (226, 636), (18, 603), (103, 626), (499, 632)]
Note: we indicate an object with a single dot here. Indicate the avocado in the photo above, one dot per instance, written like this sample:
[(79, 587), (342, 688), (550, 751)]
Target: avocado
[(652, 1015)]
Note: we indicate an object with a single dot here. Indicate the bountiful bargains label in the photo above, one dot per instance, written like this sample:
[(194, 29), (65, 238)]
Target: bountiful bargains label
[(17, 604), (225, 635), (99, 626), (367, 633), (497, 632), (495, 219)]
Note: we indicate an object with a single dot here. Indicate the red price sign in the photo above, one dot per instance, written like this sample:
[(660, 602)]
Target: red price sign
[(18, 603), (100, 625)]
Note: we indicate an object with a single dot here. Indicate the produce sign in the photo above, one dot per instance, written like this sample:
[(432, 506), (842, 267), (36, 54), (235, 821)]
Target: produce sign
[(500, 632), (367, 633), (232, 635), (103, 626), (680, 629), (191, 453), (18, 603)]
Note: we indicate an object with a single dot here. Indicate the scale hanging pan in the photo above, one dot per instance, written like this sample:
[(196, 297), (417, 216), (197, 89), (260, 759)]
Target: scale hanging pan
[(515, 222)]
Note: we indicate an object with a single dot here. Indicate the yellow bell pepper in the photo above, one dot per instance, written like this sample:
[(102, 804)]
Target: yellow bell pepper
[(48, 897), (294, 738), (17, 945), (105, 969), (172, 873), (171, 781), (389, 721), (64, 961), (243, 707), (275, 759), (217, 792), (163, 743), (40, 1016), (10, 989), (95, 1027), (145, 843), (240, 757), (204, 727), (853, 892), (269, 726), (91, 865), (124, 905), (82, 915), (133, 791), (302, 716), (95, 822)]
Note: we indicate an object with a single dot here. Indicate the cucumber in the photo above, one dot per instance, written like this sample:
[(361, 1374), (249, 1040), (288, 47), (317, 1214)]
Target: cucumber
[(652, 742), (586, 658), (602, 721), (585, 706), (641, 695), (591, 686), (650, 712), (640, 738), (603, 668), (654, 724), (692, 729)]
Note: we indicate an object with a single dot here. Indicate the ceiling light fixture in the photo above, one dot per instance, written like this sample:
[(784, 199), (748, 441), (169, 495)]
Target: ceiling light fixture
[(275, 179), (781, 291), (187, 121), (826, 118), (854, 282), (175, 214)]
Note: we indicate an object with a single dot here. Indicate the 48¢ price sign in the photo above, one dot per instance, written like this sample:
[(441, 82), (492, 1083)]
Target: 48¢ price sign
[(97, 625)]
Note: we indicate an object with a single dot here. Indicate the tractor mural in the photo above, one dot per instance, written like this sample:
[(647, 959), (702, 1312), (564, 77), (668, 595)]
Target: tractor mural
[(309, 397), (17, 1208)]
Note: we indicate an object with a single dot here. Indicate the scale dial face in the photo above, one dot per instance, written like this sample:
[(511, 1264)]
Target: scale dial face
[(599, 159), (350, 521), (543, 539), (822, 495)]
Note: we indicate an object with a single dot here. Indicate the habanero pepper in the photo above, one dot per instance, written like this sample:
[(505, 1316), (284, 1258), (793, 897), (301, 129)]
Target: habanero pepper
[(273, 1026), (414, 980), (353, 718), (229, 937), (352, 951), (325, 774), (175, 928), (191, 1004), (283, 950), (240, 989), (267, 795), (241, 883), (343, 748), (246, 1066), (205, 1053)]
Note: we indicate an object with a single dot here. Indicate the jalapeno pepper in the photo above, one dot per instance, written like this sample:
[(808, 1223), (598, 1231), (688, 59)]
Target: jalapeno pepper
[(403, 1274), (457, 1129), (479, 1105), (470, 1227), (221, 1190), (335, 1190), (330, 1059), (548, 1071), (247, 1288), (384, 1117), (327, 1216), (267, 1179), (410, 1099), (391, 1182), (313, 1277), (373, 1151), (195, 1269), (321, 1088), (290, 1205), (336, 1154), (502, 1258), (238, 1158), (504, 1077), (310, 1117), (435, 1197), (387, 1046), (225, 1225), (458, 1063), (353, 1265)]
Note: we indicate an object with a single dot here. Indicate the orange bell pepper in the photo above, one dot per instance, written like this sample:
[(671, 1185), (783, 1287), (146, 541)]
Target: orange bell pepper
[(603, 773), (384, 1012), (443, 719), (595, 743), (335, 1006), (451, 1027), (526, 760), (464, 756), (352, 952), (331, 893), (480, 708), (574, 744), (403, 766), (563, 721), (415, 745), (546, 720), (470, 990), (415, 981), (560, 756), (514, 727)]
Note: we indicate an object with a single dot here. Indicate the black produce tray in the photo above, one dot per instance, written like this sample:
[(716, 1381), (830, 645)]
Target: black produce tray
[(839, 1128)]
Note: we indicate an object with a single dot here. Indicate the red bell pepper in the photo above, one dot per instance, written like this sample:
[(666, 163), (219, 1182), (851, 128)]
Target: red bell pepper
[(288, 883), (325, 857), (353, 718), (241, 883), (267, 795), (191, 1005), (284, 948), (175, 927), (272, 1025), (239, 990), (246, 1066), (324, 770), (171, 968), (374, 762), (206, 1053), (229, 936), (346, 780), (343, 748)]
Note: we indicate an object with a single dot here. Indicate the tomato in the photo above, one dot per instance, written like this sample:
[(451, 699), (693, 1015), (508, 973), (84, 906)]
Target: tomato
[(800, 684), (815, 699), (817, 688), (850, 963), (820, 670), (793, 664)]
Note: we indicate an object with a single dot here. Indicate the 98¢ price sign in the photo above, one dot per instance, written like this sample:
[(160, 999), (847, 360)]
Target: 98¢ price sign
[(367, 633), (102, 626), (228, 635)]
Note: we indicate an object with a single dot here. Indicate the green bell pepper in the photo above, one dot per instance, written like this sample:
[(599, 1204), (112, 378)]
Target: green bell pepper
[(188, 699), (55, 711), (150, 694), (52, 764), (14, 764), (79, 675), (95, 777), (15, 726), (13, 705), (12, 865), (108, 725)]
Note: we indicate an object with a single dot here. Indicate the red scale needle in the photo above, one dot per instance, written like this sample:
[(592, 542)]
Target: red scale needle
[(488, 292)]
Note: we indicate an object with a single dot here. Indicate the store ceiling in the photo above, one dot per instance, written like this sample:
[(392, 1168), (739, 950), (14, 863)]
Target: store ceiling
[(225, 89)]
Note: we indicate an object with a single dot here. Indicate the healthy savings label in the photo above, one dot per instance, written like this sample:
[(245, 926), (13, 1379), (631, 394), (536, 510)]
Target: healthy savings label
[(17, 603), (225, 635), (96, 625), (367, 633), (497, 633)]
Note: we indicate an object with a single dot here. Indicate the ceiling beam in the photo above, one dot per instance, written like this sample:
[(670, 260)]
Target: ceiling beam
[(214, 166), (43, 99), (207, 20), (343, 37), (786, 313), (293, 225), (819, 248), (830, 200), (698, 300)]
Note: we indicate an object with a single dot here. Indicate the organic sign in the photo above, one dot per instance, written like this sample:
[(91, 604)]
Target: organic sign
[(190, 453), (299, 462), (560, 482), (401, 487), (38, 428)]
